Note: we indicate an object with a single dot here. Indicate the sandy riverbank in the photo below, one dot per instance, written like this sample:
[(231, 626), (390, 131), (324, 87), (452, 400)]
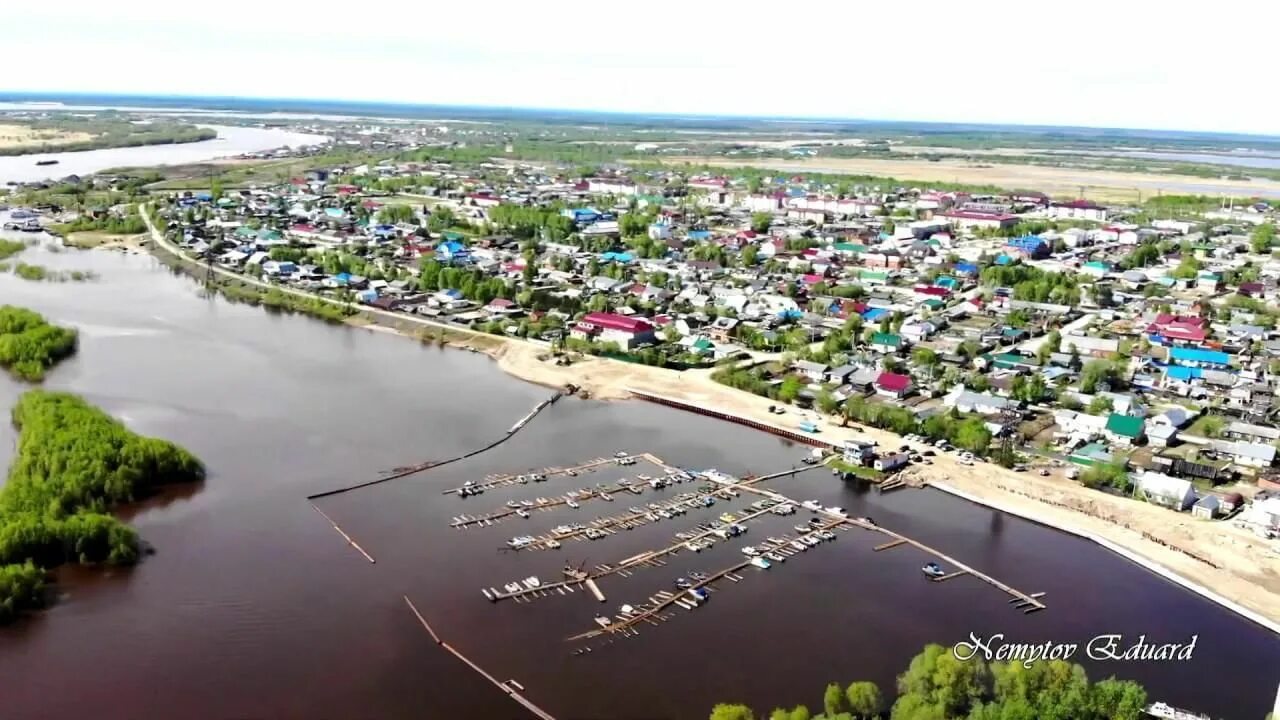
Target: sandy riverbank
[(1230, 562), (106, 241), (25, 136), (1105, 185)]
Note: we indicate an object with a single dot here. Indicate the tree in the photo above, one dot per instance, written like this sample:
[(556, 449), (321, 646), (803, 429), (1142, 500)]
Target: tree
[(936, 679), (833, 700), (1211, 426), (864, 700), (760, 221), (1095, 373), (827, 402), (1263, 238), (799, 712), (725, 711), (1049, 347), (790, 389), (973, 435)]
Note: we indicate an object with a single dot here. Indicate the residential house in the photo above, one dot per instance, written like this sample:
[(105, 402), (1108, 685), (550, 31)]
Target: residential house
[(816, 372), (1170, 492), (893, 385), (966, 401), (887, 343), (1124, 429), (627, 332), (890, 462), (1247, 454)]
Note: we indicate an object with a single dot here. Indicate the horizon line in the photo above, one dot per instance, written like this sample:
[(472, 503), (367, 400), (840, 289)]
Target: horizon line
[(16, 95)]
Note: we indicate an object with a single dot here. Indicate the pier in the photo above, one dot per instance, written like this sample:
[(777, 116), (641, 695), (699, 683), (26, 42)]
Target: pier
[(495, 481)]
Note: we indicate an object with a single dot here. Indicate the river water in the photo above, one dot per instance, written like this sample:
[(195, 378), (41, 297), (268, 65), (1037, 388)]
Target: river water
[(232, 140), (253, 607)]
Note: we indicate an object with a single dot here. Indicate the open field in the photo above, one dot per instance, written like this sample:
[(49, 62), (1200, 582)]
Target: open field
[(16, 136), (105, 241), (1103, 185)]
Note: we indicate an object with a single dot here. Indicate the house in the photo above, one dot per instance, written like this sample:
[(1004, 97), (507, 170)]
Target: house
[(1251, 433), (816, 372), (856, 452), (1247, 454), (841, 375), (1089, 345), (1123, 429), (966, 401), (1207, 507), (1077, 210), (1170, 492), (893, 385), (978, 219), (887, 343), (1264, 514), (627, 332), (1028, 246), (1196, 357), (893, 461)]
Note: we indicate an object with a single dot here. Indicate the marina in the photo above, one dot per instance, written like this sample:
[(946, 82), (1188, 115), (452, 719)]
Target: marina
[(763, 556)]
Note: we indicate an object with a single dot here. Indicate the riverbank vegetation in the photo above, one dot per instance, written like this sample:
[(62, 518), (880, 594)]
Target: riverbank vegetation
[(76, 134), (40, 273), (128, 224), (30, 345), (937, 686), (73, 464), (9, 248), (277, 299)]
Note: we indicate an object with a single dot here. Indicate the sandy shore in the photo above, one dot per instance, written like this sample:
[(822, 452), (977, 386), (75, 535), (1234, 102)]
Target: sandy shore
[(1228, 561), (1097, 184), (12, 136), (107, 241)]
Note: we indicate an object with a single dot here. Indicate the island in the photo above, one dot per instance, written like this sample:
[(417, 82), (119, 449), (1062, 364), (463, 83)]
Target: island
[(21, 135), (73, 464), (30, 345)]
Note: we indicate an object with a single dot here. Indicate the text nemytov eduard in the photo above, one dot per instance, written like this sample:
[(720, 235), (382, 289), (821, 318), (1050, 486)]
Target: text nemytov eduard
[(1102, 647)]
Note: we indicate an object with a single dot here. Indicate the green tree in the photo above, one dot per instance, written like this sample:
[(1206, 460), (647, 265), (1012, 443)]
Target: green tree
[(864, 700), (1263, 237), (973, 435), (790, 389), (1049, 347), (936, 679), (760, 221), (725, 711), (833, 700)]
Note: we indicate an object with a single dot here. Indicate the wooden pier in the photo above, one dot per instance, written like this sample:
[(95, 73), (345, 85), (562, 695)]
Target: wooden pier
[(495, 481), (888, 545)]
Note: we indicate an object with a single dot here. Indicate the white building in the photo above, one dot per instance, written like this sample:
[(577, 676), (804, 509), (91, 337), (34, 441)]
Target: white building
[(1171, 492), (885, 463)]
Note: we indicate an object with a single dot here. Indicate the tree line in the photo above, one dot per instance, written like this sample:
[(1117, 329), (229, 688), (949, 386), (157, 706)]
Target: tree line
[(30, 345), (938, 686), (73, 464)]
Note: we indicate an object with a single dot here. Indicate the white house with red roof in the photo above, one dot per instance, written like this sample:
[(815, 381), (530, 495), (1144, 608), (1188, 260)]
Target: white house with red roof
[(604, 327), (979, 219)]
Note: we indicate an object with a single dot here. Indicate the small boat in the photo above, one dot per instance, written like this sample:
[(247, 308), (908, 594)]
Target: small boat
[(511, 587), (572, 504), (626, 609), (693, 546), (620, 454), (749, 550), (932, 569), (571, 473), (606, 496), (683, 583), (523, 480), (46, 162), (532, 581), (826, 535), (603, 621), (802, 527), (513, 504), (760, 563), (838, 511), (523, 513), (813, 505), (697, 575), (699, 594), (553, 544), (799, 545), (775, 557), (1169, 712)]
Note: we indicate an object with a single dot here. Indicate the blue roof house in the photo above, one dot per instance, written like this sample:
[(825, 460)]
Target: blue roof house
[(966, 269), (452, 251), (1031, 246), (1196, 357)]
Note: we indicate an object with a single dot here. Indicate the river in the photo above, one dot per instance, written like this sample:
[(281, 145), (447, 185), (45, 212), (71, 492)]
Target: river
[(232, 140), (253, 607)]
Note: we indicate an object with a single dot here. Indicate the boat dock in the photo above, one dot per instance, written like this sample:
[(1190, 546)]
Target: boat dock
[(496, 481)]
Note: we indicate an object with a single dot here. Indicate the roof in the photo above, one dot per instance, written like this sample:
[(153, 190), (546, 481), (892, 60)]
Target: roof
[(1125, 426), (1198, 355), (894, 381), (617, 322), (886, 339)]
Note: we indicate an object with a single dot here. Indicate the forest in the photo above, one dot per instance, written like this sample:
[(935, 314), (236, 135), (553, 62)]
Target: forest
[(937, 686), (30, 345), (107, 132), (73, 464)]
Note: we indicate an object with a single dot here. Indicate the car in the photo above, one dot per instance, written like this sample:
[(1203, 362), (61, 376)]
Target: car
[(1020, 467), (940, 444), (929, 453), (904, 448), (1044, 472)]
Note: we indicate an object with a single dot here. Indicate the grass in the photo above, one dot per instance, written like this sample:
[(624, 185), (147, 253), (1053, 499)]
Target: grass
[(865, 473), (40, 273)]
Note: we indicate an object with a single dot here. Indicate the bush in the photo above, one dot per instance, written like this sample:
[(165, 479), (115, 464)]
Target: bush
[(30, 345)]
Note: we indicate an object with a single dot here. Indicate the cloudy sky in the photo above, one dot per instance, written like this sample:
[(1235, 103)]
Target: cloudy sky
[(1120, 63)]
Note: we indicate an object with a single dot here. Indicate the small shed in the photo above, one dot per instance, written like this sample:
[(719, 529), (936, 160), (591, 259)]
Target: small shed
[(1207, 507)]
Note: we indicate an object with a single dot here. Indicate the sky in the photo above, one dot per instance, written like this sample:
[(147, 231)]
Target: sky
[(1120, 63)]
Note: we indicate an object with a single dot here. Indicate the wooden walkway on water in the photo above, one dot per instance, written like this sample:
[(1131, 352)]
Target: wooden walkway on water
[(504, 480)]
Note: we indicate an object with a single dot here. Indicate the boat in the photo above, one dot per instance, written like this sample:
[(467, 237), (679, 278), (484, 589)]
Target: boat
[(775, 557), (606, 496), (603, 621), (697, 575), (532, 581), (932, 569), (522, 479), (626, 609), (46, 162), (571, 473), (620, 454), (799, 545), (1169, 712), (760, 562), (683, 583), (553, 544), (802, 527), (749, 550), (813, 505), (728, 517), (513, 504), (838, 511), (518, 543), (826, 535), (512, 587), (572, 504), (522, 513), (699, 594)]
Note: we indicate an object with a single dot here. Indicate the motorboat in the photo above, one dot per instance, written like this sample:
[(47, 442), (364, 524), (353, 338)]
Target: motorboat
[(553, 544), (532, 581), (826, 535), (813, 505), (523, 513), (626, 609), (775, 557), (620, 454), (760, 563), (697, 575), (571, 473), (932, 569), (606, 496), (572, 504), (799, 545), (802, 528), (1165, 711), (683, 583), (522, 479), (513, 504), (749, 550), (512, 587)]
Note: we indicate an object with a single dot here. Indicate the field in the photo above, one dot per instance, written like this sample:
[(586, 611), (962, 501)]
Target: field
[(1101, 185), (19, 136)]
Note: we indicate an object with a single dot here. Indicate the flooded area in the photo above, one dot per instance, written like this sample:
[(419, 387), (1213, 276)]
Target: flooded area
[(232, 140), (253, 606)]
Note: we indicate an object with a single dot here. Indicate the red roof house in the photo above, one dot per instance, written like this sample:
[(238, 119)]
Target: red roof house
[(893, 384)]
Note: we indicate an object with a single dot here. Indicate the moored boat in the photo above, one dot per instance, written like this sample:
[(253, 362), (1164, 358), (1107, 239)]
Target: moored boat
[(932, 569)]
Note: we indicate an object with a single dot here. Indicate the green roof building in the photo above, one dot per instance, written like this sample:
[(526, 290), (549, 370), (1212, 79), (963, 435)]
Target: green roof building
[(1124, 428)]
